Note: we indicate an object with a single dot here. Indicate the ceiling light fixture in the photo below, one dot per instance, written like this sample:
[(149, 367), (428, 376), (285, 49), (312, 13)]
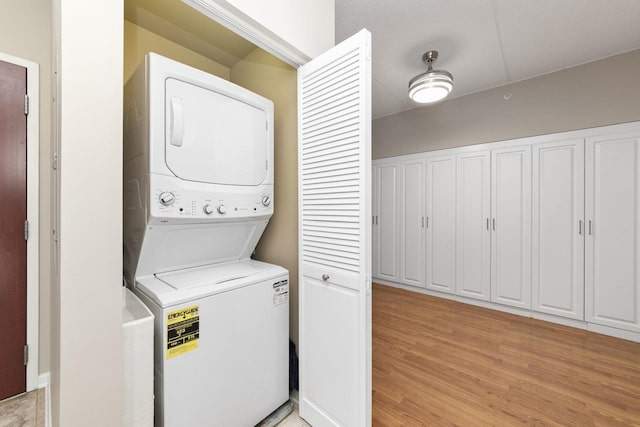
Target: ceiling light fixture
[(431, 86)]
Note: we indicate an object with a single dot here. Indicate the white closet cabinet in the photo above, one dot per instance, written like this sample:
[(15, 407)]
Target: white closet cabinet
[(558, 229), (441, 224), (385, 222), (412, 183), (473, 237), (511, 226), (375, 206), (613, 231)]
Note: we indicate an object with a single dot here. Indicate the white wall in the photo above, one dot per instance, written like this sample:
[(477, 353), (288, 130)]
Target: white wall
[(87, 349)]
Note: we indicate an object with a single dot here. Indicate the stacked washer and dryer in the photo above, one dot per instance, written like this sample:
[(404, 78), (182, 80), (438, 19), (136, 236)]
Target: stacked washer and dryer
[(198, 194)]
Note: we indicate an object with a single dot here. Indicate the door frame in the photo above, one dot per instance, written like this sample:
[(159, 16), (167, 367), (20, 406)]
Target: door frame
[(251, 30), (33, 207)]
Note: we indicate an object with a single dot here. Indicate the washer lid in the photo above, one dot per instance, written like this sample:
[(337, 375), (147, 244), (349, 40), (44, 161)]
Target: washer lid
[(212, 274), (213, 137)]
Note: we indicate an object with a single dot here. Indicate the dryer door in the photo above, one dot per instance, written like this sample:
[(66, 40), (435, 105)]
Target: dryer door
[(213, 138)]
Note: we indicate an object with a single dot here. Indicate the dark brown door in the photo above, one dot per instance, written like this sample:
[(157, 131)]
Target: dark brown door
[(13, 213)]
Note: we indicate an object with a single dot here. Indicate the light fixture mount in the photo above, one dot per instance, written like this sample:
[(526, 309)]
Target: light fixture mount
[(433, 85), (429, 58)]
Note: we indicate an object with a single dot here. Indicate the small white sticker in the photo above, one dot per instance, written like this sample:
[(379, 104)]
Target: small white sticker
[(280, 292)]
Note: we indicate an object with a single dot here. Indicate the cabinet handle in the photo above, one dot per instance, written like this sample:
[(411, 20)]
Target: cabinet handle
[(580, 227), (377, 223), (325, 277), (422, 222), (493, 221), (589, 227), (427, 222), (487, 223), (373, 220)]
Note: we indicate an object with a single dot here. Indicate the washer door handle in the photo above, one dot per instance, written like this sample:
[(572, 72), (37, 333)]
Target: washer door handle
[(325, 277)]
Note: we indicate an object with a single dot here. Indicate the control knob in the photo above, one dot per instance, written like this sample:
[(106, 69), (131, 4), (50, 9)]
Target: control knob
[(266, 200), (208, 209), (222, 209), (167, 198)]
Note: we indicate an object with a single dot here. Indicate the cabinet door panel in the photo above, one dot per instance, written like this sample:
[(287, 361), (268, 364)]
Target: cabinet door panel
[(412, 218), (440, 222), (613, 231), (558, 224), (387, 222), (511, 226), (375, 231), (473, 276)]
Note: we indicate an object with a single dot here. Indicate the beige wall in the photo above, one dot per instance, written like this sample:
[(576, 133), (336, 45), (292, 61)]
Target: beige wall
[(596, 94), (266, 75), (25, 32), (138, 42)]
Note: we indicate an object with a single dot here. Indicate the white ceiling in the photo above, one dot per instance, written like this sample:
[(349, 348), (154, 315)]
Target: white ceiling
[(484, 43)]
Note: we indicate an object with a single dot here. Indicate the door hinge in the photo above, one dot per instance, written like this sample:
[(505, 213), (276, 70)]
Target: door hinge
[(26, 354), (55, 161), (26, 105), (26, 230)]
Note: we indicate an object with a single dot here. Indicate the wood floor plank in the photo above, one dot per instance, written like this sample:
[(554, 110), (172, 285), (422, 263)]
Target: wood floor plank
[(440, 362)]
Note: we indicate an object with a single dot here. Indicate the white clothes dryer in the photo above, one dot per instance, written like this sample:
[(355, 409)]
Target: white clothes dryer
[(198, 194)]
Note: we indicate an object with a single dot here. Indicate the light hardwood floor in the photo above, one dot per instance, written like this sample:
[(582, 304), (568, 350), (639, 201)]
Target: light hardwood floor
[(439, 362)]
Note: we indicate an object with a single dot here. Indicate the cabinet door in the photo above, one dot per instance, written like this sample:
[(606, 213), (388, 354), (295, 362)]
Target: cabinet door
[(473, 237), (440, 223), (412, 223), (511, 226), (613, 231), (557, 229), (387, 222), (375, 231)]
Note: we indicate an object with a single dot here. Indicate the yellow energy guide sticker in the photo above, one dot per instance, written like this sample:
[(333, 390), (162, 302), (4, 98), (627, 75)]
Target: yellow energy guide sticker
[(183, 331)]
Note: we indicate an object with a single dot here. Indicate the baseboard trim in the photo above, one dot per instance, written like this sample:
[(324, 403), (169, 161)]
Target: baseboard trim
[(44, 381), (294, 397)]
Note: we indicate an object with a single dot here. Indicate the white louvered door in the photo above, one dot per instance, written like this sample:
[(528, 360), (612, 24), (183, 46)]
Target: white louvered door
[(334, 102)]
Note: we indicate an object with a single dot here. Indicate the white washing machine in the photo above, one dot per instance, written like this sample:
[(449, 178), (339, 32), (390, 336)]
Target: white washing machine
[(222, 358), (198, 194)]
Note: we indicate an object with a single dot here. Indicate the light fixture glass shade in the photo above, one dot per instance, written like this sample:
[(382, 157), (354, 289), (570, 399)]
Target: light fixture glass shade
[(431, 86)]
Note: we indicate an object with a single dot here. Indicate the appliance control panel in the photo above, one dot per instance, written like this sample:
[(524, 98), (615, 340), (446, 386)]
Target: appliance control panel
[(171, 203)]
